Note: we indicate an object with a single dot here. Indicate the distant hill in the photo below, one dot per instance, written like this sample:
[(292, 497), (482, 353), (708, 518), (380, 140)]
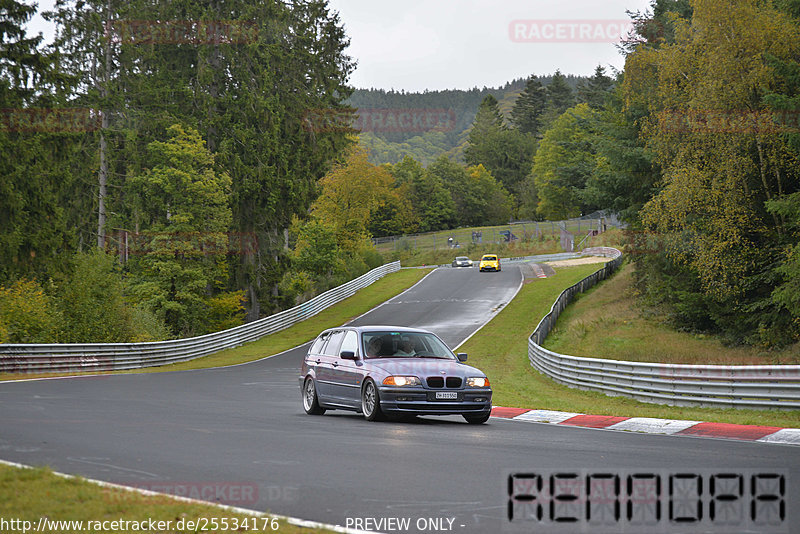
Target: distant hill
[(395, 122)]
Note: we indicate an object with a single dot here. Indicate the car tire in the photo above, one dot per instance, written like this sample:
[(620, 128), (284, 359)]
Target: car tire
[(478, 419), (371, 402), (310, 399)]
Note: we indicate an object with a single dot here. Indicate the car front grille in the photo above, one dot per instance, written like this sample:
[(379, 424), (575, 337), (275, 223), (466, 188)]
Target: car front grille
[(453, 382), (435, 382)]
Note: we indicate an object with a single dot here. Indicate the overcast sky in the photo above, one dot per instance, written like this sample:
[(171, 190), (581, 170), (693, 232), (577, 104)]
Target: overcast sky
[(442, 44)]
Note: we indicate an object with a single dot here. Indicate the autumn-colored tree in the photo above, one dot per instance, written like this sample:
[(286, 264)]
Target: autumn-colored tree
[(350, 194), (28, 314), (496, 204), (724, 159)]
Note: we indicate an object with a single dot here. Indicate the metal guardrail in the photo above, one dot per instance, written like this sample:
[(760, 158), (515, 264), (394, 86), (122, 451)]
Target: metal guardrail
[(100, 357), (740, 386)]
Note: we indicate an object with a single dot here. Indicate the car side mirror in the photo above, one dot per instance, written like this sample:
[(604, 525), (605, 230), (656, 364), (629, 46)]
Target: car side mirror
[(347, 355), (462, 356)]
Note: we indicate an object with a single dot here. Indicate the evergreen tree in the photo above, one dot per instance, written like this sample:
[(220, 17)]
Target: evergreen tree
[(181, 260), (595, 91), (486, 128), (22, 64), (657, 27), (488, 120), (37, 184), (506, 153), (559, 94), (250, 94), (627, 177), (527, 111), (92, 63)]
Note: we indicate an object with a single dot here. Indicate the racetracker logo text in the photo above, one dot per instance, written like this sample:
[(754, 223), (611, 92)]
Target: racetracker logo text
[(730, 121), (49, 120), (569, 31), (381, 120), (187, 244), (229, 493)]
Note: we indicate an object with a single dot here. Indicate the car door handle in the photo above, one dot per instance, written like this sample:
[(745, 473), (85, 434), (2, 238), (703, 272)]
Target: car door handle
[(336, 364), (318, 360)]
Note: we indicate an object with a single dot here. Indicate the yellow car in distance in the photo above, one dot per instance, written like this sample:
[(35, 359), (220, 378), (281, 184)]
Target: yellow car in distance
[(489, 262)]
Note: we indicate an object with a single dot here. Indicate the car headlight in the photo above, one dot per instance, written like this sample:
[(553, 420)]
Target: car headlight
[(478, 382), (401, 381)]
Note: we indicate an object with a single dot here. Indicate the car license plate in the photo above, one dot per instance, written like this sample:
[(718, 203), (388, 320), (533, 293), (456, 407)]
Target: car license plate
[(446, 395)]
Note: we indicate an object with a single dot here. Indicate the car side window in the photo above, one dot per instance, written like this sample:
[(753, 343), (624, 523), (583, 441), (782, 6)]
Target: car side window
[(350, 342), (316, 348), (332, 348)]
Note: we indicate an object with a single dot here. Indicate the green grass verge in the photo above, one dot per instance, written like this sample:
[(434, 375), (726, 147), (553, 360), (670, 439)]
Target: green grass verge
[(363, 301), (31, 494), (500, 350), (28, 494), (607, 321)]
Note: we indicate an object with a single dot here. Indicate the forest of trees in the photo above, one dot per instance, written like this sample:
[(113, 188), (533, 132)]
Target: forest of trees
[(359, 200), (138, 130), (426, 145), (695, 144), (712, 101), (184, 181)]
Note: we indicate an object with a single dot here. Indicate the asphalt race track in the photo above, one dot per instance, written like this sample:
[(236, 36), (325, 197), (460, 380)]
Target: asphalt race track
[(239, 435)]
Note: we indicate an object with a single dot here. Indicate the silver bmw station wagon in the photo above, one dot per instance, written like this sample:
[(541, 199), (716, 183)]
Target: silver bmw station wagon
[(391, 370)]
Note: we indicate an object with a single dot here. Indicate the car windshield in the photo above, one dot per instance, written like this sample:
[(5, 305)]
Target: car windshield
[(490, 258), (390, 344), (462, 258)]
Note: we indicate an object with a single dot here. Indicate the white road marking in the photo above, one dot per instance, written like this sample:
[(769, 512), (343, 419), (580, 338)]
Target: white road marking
[(545, 416), (652, 425)]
